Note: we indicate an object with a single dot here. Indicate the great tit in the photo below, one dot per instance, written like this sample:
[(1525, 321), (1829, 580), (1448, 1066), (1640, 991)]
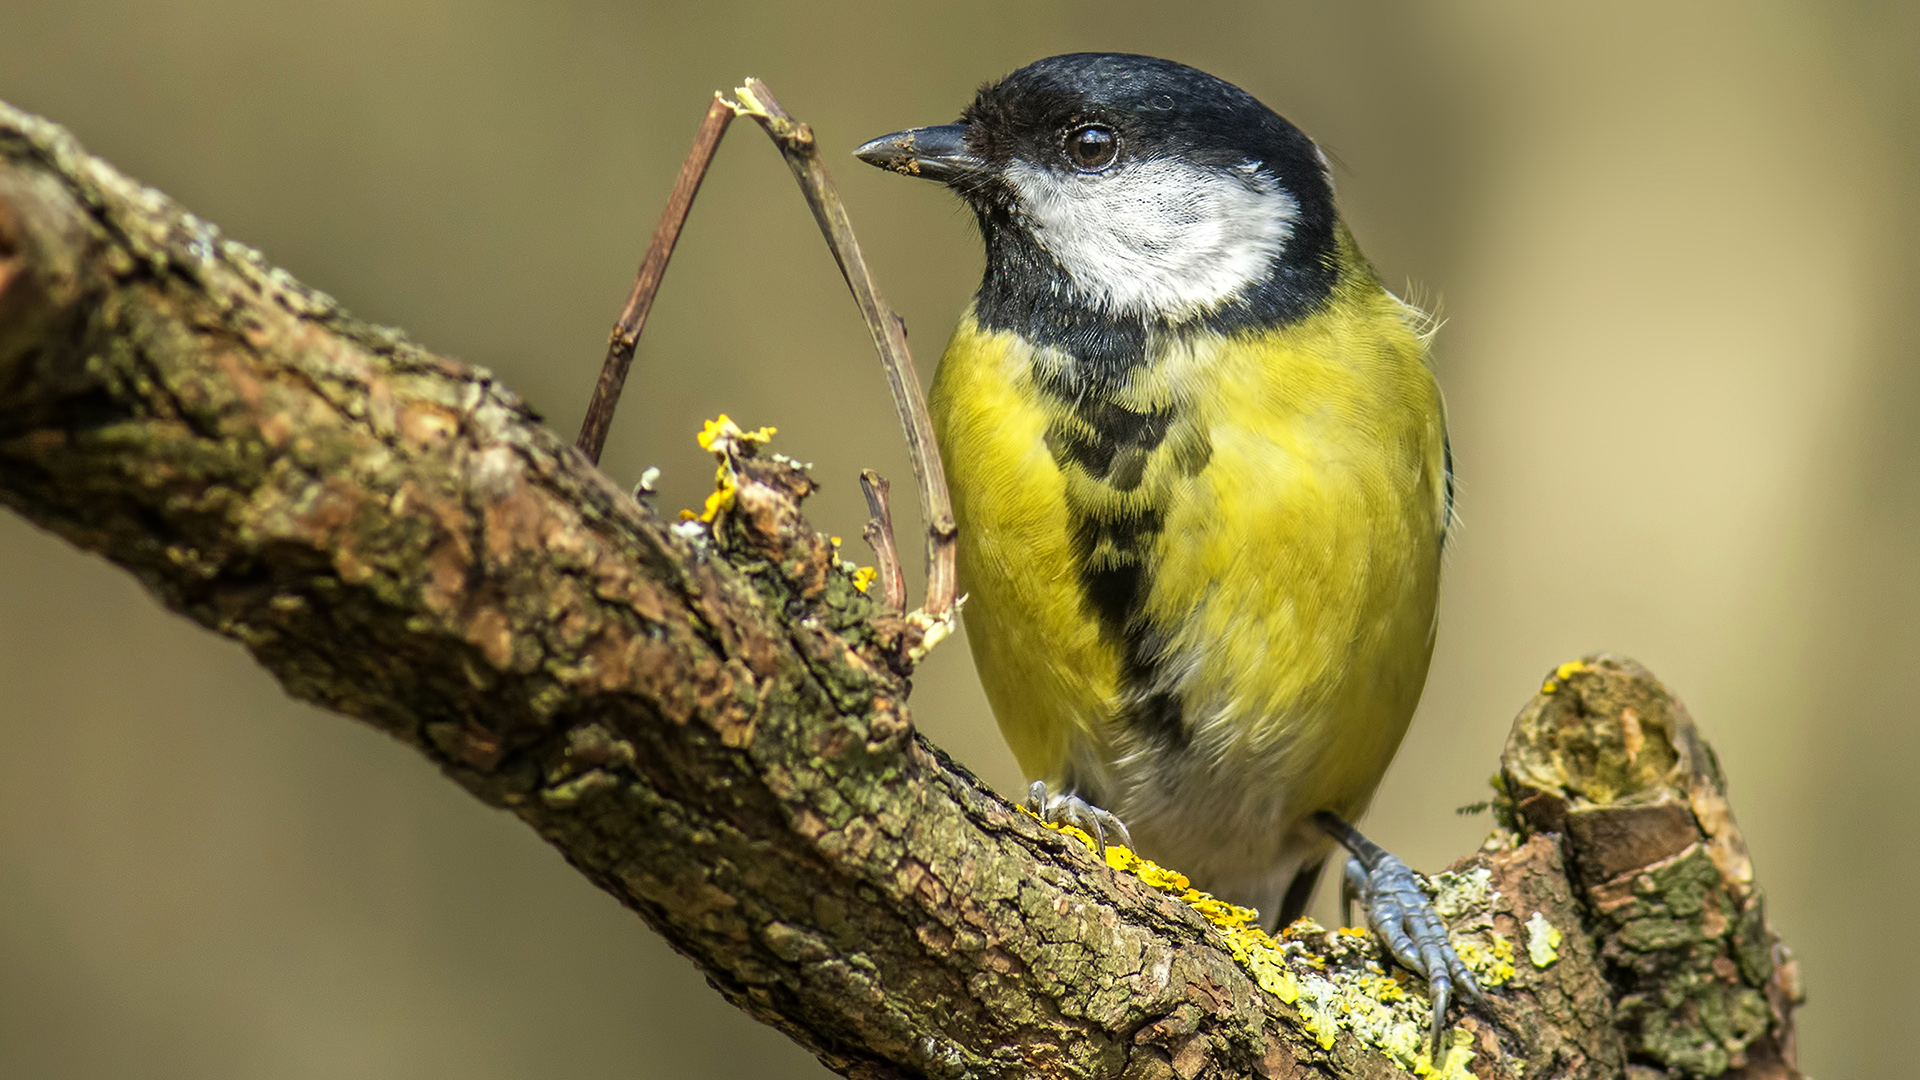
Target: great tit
[(1200, 470)]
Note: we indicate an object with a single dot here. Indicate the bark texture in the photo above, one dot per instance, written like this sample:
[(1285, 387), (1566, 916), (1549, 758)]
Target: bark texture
[(708, 721)]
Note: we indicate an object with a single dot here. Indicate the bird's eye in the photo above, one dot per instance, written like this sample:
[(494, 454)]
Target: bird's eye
[(1092, 147)]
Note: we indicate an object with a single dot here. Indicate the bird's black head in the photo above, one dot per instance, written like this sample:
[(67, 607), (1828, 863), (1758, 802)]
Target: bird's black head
[(1119, 187)]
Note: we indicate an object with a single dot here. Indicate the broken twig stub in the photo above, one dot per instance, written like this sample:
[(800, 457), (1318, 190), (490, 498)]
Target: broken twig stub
[(1608, 758)]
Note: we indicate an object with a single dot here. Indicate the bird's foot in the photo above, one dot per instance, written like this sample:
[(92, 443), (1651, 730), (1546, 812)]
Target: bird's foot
[(1070, 809), (1402, 915)]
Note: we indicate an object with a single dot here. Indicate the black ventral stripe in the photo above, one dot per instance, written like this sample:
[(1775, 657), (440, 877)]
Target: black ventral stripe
[(1112, 552), (1106, 440)]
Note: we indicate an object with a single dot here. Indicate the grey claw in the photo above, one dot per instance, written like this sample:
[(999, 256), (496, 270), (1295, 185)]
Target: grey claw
[(1073, 810), (1404, 918)]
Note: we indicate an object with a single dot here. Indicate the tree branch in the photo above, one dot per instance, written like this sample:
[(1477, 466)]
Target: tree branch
[(709, 721)]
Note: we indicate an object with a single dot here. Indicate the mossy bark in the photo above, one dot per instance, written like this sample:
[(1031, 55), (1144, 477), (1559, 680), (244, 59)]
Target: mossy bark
[(710, 727), (1608, 757)]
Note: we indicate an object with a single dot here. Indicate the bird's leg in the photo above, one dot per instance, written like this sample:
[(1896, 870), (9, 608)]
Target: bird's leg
[(1400, 912), (1070, 809), (1349, 892)]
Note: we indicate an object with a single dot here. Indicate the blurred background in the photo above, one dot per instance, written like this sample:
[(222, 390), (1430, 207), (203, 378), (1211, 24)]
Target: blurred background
[(1676, 246)]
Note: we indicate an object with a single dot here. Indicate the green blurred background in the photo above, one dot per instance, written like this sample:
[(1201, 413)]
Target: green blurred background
[(1675, 243)]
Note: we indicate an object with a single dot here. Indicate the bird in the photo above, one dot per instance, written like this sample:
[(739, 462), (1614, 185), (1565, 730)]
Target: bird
[(1200, 471)]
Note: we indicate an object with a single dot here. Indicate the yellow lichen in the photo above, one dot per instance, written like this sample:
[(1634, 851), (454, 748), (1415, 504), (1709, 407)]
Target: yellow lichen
[(1322, 1026), (1492, 965), (1333, 978), (714, 435), (1458, 1057), (721, 437), (1214, 910), (1219, 912), (1543, 941), (718, 502), (1255, 951), (863, 577), (1146, 870), (1561, 673), (1462, 893), (1380, 1013), (1464, 900)]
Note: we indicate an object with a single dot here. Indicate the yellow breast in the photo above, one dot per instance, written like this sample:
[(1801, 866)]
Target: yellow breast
[(1279, 524)]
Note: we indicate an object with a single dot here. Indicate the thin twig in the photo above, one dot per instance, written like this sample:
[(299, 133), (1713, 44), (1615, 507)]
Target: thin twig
[(796, 144), (879, 534), (626, 330)]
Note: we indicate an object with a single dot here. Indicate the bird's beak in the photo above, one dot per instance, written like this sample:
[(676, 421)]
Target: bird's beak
[(933, 153)]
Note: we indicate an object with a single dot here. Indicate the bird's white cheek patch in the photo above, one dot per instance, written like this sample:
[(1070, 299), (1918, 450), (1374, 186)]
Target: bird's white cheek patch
[(1159, 238)]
